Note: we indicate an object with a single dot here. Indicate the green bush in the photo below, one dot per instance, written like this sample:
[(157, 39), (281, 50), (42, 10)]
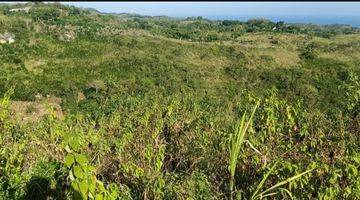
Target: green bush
[(45, 13)]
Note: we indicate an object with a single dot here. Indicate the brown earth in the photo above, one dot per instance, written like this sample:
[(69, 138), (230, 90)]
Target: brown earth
[(33, 111)]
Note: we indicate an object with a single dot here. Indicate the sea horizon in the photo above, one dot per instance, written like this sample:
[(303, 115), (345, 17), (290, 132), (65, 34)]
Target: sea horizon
[(352, 20), (317, 19)]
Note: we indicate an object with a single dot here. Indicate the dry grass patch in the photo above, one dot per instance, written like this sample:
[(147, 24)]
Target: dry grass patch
[(33, 111), (32, 65), (282, 57)]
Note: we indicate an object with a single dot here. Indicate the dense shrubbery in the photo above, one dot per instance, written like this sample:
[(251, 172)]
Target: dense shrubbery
[(150, 118), (45, 13), (308, 52)]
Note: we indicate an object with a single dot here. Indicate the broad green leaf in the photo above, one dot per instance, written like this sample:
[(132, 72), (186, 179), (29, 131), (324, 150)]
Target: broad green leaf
[(75, 186), (99, 197), (83, 187), (69, 160), (74, 144), (78, 172), (81, 159), (92, 188)]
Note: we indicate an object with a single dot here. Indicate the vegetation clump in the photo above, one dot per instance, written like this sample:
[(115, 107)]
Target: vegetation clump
[(140, 107)]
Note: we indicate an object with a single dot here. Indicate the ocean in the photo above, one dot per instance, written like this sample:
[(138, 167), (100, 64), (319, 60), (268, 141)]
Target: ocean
[(353, 20)]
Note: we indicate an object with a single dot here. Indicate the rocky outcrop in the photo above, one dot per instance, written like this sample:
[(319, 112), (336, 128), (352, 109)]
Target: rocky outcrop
[(25, 9), (68, 36), (7, 38)]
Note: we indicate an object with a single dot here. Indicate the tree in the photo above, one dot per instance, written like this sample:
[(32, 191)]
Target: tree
[(230, 22), (45, 13), (309, 52)]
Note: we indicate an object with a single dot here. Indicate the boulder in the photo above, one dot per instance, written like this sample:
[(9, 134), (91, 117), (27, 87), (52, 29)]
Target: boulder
[(68, 36), (7, 38)]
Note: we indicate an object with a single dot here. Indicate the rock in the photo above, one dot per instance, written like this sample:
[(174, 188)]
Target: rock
[(98, 85), (80, 96), (68, 36), (38, 96), (7, 38), (11, 40), (25, 9)]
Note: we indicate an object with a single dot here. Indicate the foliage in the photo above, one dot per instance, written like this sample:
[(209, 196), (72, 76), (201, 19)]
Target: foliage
[(309, 52), (45, 13), (83, 179), (236, 141), (147, 105)]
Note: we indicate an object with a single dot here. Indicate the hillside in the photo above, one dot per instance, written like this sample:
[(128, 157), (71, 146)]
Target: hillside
[(123, 106)]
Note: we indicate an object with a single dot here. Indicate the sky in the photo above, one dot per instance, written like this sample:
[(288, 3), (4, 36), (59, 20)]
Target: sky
[(225, 8), (292, 12)]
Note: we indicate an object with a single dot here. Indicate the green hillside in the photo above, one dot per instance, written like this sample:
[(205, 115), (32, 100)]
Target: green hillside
[(124, 106)]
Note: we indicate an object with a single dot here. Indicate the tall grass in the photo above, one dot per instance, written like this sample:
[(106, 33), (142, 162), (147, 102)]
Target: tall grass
[(236, 140), (267, 192)]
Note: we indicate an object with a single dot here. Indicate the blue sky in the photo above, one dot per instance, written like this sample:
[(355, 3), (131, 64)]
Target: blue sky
[(292, 12), (225, 8)]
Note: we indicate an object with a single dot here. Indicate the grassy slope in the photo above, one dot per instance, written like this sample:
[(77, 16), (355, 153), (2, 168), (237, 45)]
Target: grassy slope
[(173, 103)]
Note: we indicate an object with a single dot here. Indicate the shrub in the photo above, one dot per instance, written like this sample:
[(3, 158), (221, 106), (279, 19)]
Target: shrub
[(46, 13), (309, 52)]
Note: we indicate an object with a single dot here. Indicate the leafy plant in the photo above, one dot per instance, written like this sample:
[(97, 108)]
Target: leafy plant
[(257, 194), (235, 144), (236, 140), (82, 176)]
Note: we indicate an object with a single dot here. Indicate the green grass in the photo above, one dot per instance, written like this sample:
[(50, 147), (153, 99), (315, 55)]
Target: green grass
[(236, 141), (153, 113)]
